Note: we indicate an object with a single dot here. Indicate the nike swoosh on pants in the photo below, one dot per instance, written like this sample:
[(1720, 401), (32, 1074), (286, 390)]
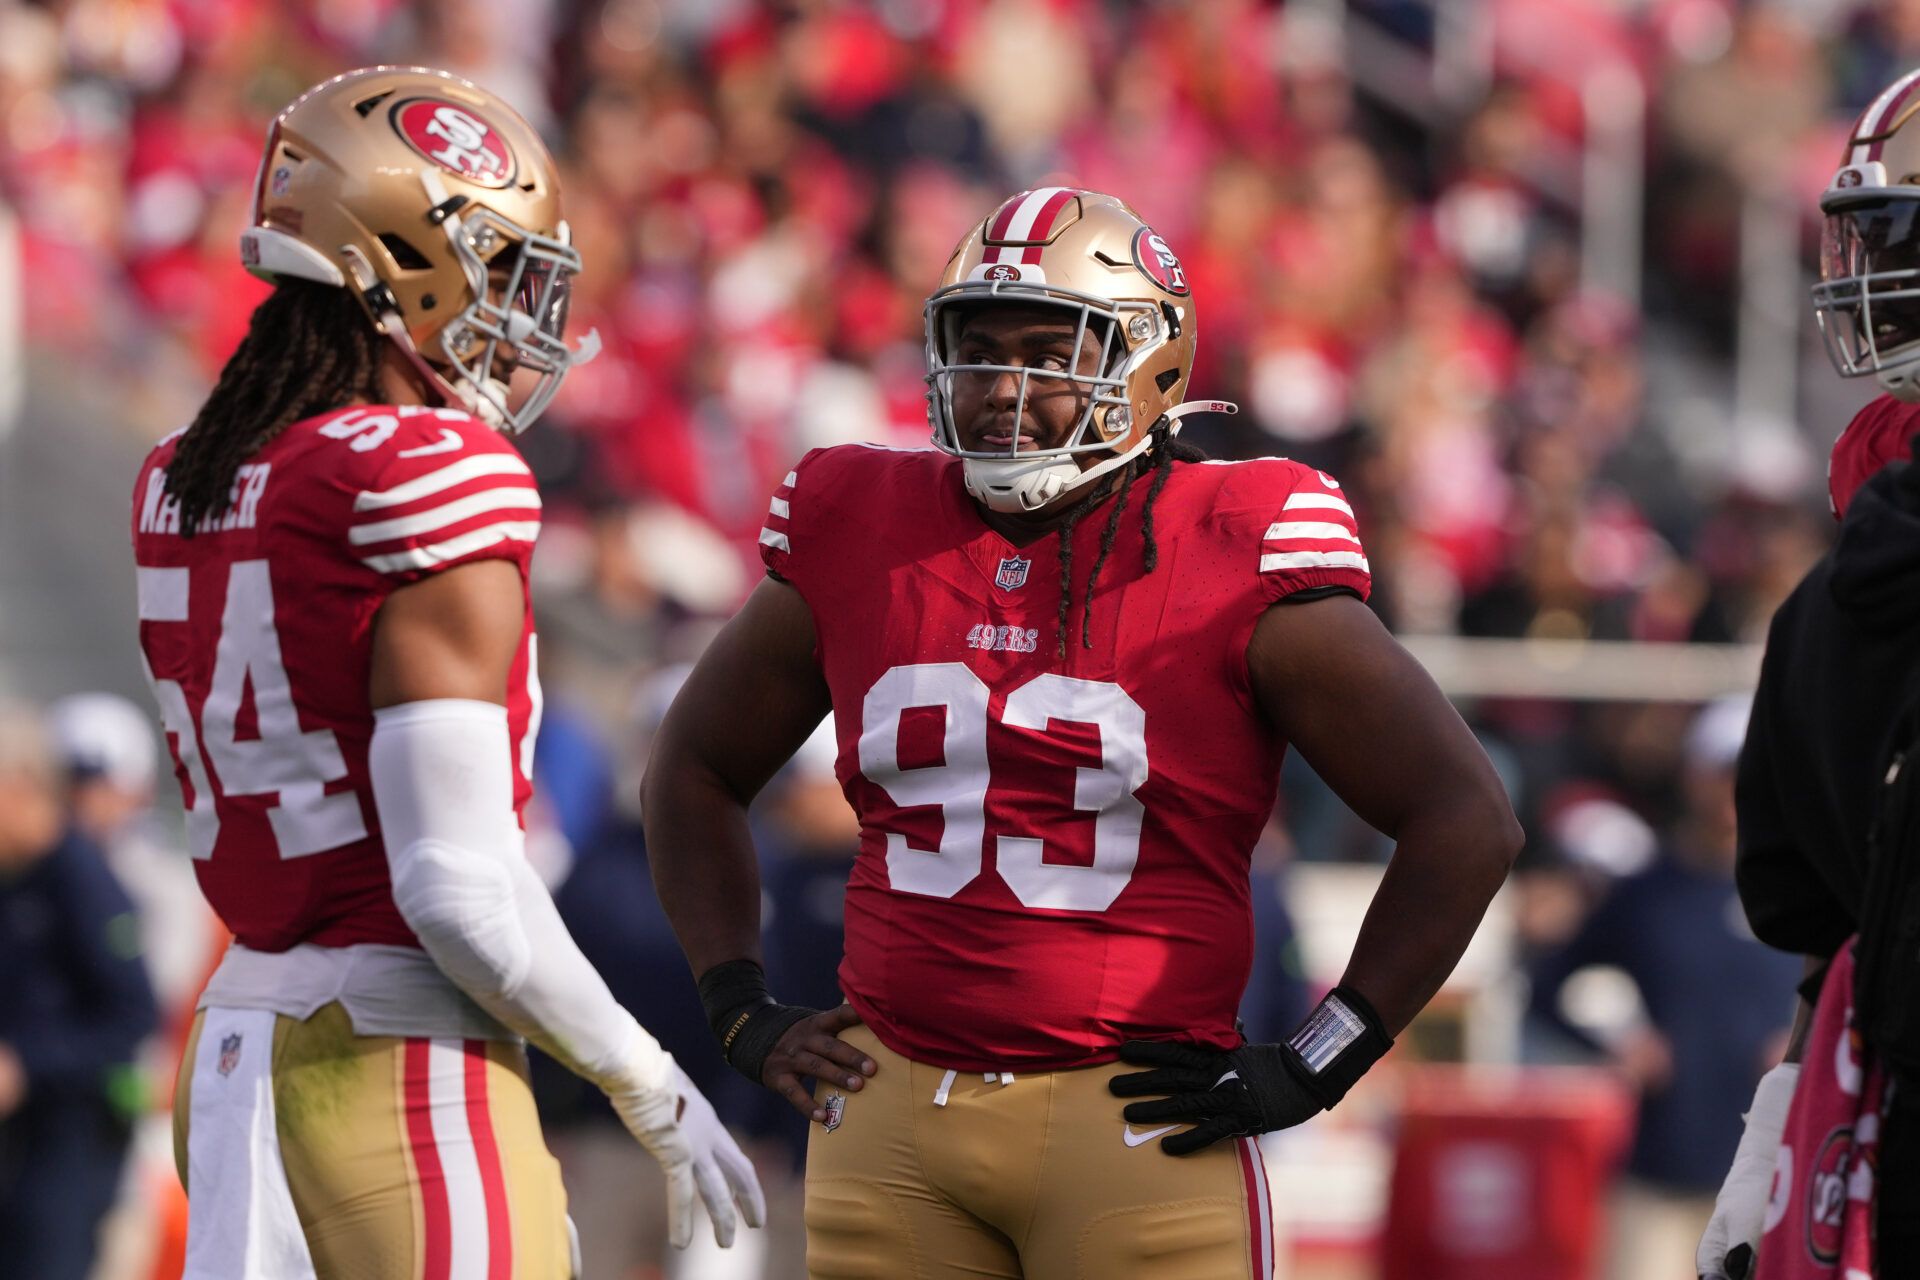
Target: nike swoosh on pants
[(1135, 1139)]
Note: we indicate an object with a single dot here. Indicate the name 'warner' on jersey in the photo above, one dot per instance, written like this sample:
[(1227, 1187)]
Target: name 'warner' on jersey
[(1054, 853), (257, 634)]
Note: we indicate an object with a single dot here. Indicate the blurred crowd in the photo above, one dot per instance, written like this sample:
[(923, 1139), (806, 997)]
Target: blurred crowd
[(764, 192), (1392, 285)]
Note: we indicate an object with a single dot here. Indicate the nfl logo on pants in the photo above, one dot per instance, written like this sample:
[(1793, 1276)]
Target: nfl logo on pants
[(1013, 573)]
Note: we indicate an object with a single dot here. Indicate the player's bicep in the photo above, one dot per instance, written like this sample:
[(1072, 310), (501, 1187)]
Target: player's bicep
[(1363, 713), (751, 700), (452, 635)]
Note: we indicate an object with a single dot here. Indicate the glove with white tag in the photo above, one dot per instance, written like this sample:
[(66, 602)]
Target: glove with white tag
[(1739, 1212), (674, 1121), (1256, 1088)]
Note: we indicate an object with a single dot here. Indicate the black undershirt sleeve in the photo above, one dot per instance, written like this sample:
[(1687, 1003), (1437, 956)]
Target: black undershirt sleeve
[(1317, 593)]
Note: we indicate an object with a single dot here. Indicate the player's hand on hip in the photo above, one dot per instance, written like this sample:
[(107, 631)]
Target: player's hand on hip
[(1732, 1237), (1221, 1094), (678, 1126), (779, 1045), (812, 1046), (1256, 1088)]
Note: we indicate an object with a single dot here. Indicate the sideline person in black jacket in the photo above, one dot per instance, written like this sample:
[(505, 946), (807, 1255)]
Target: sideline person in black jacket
[(1829, 829), (74, 1005), (1837, 702)]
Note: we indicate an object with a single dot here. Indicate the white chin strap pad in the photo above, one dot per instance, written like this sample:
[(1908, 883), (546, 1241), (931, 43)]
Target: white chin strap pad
[(1902, 381), (1018, 485), (443, 786)]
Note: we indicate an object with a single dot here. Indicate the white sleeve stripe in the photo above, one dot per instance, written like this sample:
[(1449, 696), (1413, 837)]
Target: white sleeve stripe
[(778, 507), (793, 478), (486, 464), (440, 517), (454, 548), (1311, 529), (778, 541), (1313, 560), (1326, 501)]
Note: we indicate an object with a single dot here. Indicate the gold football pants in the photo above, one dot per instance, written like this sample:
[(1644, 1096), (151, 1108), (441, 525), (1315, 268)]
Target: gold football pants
[(404, 1158), (936, 1175)]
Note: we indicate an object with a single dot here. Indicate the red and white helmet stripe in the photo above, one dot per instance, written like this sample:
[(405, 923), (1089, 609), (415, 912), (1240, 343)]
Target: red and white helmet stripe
[(1870, 135), (1025, 217)]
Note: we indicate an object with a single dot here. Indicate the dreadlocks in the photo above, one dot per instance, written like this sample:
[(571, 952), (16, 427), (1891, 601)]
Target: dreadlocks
[(1167, 449), (309, 348)]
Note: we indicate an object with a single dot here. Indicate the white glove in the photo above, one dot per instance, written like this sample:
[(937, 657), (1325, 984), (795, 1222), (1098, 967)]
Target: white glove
[(676, 1123), (1739, 1212)]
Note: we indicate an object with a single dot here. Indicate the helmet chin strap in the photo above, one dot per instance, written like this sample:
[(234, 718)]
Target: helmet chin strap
[(1017, 487), (488, 405), (1900, 381)]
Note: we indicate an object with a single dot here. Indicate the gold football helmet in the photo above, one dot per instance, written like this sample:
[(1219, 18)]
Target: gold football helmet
[(1868, 298), (410, 186), (1091, 256)]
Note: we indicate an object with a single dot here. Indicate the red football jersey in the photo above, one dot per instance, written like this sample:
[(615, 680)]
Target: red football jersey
[(257, 636), (1054, 850), (1880, 433)]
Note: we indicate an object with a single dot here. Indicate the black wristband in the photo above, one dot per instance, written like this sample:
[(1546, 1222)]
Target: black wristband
[(744, 1016), (1335, 1046), (729, 989)]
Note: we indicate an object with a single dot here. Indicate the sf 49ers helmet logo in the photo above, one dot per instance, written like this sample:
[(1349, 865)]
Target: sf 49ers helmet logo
[(1158, 263), (1002, 271), (456, 139)]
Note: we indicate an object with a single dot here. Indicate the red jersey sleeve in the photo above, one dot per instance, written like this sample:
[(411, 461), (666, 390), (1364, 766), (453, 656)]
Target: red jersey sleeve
[(1307, 537), (793, 499), (440, 489)]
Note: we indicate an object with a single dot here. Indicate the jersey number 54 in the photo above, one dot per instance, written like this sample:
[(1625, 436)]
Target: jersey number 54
[(285, 761)]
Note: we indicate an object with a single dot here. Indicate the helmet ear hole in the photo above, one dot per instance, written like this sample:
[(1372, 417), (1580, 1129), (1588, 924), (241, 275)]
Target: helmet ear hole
[(404, 255), (1165, 379)]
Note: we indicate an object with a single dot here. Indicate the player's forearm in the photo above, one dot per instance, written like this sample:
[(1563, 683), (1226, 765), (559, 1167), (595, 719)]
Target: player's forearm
[(704, 868), (1803, 1014), (1449, 863), (443, 787), (559, 1000)]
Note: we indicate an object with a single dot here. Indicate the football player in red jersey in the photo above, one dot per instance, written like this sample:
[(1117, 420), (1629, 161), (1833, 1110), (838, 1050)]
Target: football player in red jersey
[(334, 615), (1064, 658)]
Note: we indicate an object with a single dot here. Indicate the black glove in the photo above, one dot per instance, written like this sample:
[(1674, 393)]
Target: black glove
[(1256, 1088), (1222, 1095), (745, 1017)]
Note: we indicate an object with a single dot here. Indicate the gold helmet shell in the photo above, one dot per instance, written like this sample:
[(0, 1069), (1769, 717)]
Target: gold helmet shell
[(410, 186), (1093, 256)]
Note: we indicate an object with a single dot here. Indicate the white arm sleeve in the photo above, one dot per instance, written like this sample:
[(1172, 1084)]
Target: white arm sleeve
[(443, 786), (1740, 1211)]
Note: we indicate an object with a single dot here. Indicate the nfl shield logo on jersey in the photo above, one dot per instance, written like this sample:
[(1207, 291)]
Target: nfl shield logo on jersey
[(229, 1054), (1013, 573), (836, 1110)]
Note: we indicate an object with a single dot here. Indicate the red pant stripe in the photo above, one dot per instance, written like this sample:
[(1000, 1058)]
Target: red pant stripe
[(437, 1257), (487, 1154)]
